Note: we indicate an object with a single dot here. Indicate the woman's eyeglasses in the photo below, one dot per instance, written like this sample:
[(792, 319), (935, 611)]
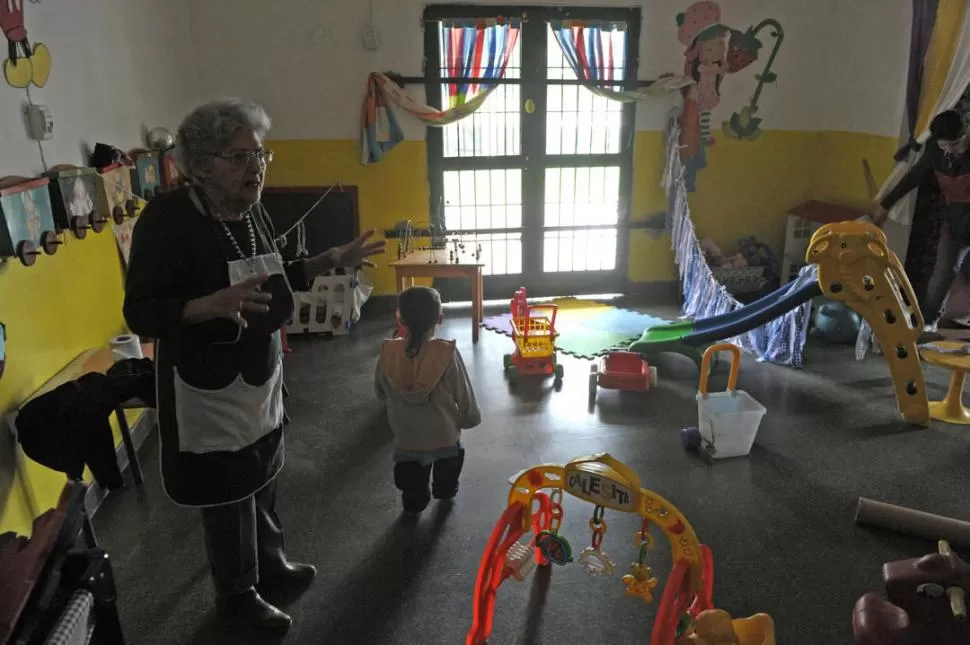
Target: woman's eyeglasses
[(243, 158)]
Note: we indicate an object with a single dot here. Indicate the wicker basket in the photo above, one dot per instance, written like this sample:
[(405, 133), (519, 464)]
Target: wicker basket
[(743, 280)]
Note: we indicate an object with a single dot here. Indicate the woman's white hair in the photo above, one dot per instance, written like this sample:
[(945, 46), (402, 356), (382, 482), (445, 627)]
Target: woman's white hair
[(209, 128)]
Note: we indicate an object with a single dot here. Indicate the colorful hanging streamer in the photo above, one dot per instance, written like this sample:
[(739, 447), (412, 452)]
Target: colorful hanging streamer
[(779, 341)]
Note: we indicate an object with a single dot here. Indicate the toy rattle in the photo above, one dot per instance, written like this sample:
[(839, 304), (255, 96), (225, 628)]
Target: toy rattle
[(597, 561), (553, 546), (641, 581)]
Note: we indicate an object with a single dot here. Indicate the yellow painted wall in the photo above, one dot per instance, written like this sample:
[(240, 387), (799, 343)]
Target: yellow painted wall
[(746, 189), (838, 165), (54, 310), (390, 191), (72, 301)]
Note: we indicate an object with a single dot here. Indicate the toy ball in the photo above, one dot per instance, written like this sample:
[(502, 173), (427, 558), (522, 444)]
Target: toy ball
[(691, 439), (160, 139), (835, 322)]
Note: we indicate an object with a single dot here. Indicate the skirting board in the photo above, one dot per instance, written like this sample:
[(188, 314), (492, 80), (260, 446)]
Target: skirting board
[(140, 432), (663, 292)]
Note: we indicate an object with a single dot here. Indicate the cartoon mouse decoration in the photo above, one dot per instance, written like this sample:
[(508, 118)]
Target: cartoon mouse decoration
[(24, 64)]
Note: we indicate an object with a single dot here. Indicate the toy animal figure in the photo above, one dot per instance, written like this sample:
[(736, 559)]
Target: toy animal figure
[(24, 64), (716, 627), (641, 582)]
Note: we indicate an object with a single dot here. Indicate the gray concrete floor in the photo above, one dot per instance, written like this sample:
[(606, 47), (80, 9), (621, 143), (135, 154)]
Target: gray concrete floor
[(780, 522)]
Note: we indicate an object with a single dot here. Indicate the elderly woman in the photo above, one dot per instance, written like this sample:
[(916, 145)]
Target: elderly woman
[(207, 282)]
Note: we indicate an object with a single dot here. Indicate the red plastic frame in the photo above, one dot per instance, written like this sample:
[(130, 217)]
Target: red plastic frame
[(677, 598), (624, 371)]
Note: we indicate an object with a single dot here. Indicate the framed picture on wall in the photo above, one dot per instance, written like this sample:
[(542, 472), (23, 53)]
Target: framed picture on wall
[(312, 219)]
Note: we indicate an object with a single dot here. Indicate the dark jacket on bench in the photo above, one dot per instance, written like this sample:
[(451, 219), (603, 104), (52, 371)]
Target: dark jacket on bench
[(69, 427)]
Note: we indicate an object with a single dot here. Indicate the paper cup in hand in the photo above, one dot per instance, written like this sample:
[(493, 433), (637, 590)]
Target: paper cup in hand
[(126, 347)]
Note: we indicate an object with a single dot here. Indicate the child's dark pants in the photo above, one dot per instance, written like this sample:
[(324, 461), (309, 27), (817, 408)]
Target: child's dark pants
[(412, 479)]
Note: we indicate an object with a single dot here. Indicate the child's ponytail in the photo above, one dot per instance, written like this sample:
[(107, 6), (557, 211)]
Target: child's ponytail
[(419, 309)]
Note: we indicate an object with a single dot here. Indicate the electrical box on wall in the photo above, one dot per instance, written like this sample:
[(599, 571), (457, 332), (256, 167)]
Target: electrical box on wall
[(40, 123), (370, 38)]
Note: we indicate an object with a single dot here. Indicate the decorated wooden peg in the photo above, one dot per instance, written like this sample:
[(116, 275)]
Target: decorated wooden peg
[(74, 197), (49, 242), (27, 220), (115, 197), (98, 221), (80, 224), (27, 253), (146, 175)]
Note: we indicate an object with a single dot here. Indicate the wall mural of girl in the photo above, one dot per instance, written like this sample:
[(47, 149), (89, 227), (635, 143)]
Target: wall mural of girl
[(714, 50)]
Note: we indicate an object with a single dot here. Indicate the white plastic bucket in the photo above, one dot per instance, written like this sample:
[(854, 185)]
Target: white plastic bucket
[(728, 421)]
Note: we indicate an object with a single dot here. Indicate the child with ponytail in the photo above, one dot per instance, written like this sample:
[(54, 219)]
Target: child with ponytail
[(424, 384)]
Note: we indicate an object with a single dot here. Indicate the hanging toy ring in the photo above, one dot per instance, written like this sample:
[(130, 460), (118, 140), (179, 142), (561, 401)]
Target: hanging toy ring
[(596, 562), (593, 558), (643, 539)]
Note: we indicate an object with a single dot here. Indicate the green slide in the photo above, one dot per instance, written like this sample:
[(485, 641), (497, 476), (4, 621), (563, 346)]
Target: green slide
[(669, 338), (692, 338)]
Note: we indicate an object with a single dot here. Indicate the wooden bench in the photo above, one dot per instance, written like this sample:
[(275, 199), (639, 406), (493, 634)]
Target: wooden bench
[(97, 359)]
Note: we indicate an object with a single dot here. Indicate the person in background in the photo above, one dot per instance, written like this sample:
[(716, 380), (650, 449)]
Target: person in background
[(945, 157), (206, 281), (430, 400)]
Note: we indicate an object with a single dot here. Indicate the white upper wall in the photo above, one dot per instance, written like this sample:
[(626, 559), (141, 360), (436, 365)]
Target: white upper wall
[(868, 52), (841, 66), (118, 65)]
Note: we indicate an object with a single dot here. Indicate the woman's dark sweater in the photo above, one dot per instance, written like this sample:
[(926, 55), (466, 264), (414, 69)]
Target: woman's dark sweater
[(952, 171), (179, 254)]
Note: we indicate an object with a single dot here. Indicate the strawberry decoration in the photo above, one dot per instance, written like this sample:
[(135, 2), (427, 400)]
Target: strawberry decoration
[(335, 321), (743, 48), (745, 125)]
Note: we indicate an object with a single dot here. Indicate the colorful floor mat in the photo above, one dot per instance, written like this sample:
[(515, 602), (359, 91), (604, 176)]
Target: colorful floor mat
[(587, 328)]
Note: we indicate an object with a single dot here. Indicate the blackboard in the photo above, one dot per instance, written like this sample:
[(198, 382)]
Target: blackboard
[(335, 221)]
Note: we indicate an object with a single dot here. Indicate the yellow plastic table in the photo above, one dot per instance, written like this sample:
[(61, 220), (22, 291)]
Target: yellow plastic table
[(951, 408)]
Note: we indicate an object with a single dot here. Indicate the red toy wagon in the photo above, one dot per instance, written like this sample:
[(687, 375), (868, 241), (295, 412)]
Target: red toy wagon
[(621, 371)]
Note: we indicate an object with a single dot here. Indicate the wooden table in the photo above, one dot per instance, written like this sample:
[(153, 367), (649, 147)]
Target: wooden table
[(951, 408), (99, 360), (426, 263)]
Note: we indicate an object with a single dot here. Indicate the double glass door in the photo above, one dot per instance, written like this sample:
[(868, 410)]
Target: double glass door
[(540, 176)]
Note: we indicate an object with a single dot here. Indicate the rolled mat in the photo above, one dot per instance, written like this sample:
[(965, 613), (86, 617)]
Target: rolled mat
[(912, 522)]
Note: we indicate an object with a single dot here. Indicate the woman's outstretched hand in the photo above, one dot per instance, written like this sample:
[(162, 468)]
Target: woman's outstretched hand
[(230, 302), (878, 214), (354, 254)]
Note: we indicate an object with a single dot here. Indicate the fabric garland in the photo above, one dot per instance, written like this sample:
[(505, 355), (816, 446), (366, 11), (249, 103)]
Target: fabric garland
[(478, 51), (778, 341), (594, 54)]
